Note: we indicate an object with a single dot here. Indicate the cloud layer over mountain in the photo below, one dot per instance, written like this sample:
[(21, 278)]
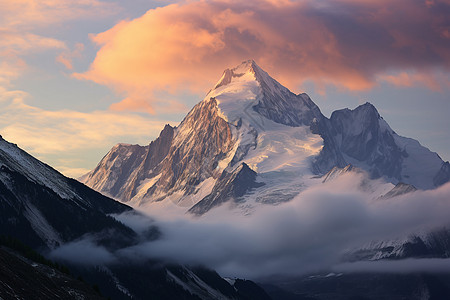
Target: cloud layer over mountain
[(307, 234)]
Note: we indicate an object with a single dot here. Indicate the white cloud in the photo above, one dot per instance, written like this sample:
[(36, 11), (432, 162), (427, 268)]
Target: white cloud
[(83, 252), (308, 234)]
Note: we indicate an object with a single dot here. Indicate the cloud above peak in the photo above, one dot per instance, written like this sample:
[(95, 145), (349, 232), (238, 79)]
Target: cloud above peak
[(349, 44)]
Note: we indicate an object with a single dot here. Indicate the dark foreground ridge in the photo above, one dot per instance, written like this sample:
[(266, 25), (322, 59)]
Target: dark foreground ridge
[(22, 278)]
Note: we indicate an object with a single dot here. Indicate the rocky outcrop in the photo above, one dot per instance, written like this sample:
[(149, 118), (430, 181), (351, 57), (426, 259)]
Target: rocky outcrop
[(229, 187), (336, 172), (443, 176), (360, 135), (280, 105), (202, 140), (121, 171), (399, 189), (177, 161), (156, 152)]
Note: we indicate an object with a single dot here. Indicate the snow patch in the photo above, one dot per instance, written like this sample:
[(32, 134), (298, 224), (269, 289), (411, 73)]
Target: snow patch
[(144, 186), (421, 165), (42, 228)]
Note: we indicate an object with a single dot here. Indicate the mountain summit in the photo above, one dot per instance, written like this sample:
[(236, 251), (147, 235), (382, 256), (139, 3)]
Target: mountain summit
[(249, 118), (248, 86)]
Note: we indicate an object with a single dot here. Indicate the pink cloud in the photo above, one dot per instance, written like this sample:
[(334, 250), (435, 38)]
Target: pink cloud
[(14, 45), (350, 44), (14, 42), (434, 81), (23, 25), (66, 57), (29, 14)]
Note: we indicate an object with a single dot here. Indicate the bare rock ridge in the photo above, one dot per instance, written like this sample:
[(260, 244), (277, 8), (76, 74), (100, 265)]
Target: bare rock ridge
[(201, 141), (233, 125), (361, 137), (399, 189), (443, 175), (281, 105), (336, 172), (229, 187), (125, 166)]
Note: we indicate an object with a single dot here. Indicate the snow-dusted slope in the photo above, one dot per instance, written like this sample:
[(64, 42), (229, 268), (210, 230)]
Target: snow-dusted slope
[(44, 208), (13, 158), (362, 138), (248, 117)]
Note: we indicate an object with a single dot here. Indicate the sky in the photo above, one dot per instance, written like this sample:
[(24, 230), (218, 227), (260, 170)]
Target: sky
[(77, 77)]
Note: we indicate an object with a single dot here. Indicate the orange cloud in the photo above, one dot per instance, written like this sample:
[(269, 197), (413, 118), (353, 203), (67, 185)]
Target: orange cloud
[(434, 81), (56, 136), (346, 43), (66, 57)]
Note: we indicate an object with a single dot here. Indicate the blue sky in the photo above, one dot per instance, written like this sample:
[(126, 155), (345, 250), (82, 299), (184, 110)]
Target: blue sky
[(77, 77)]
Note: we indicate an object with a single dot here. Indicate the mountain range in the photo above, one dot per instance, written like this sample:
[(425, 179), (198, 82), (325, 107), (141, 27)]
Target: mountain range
[(252, 141), (249, 144)]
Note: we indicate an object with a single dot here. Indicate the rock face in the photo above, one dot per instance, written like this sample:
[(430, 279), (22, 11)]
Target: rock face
[(336, 172), (280, 105), (430, 244), (443, 175), (229, 187), (121, 171), (202, 140), (248, 117), (399, 189), (361, 137), (44, 208)]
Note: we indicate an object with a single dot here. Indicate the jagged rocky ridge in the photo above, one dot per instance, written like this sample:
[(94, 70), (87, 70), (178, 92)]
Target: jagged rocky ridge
[(248, 117), (430, 244), (229, 187), (361, 137)]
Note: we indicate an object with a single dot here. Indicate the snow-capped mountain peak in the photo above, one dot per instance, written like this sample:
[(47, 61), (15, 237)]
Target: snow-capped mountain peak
[(248, 88), (245, 72), (248, 67), (250, 118)]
